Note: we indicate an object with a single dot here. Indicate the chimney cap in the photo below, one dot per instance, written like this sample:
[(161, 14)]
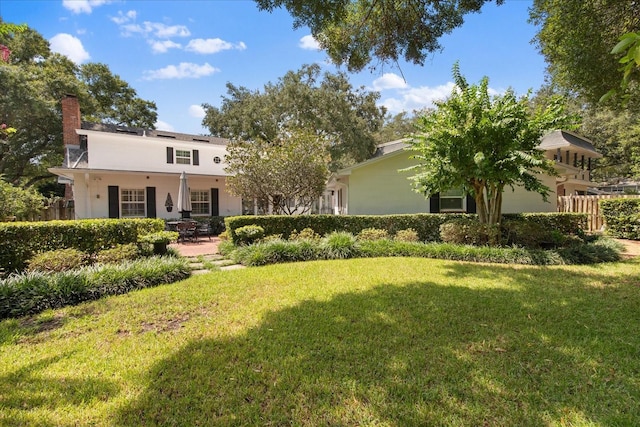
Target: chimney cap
[(70, 95)]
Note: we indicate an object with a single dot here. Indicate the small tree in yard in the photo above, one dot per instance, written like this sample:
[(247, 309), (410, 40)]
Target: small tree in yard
[(482, 144), (289, 172)]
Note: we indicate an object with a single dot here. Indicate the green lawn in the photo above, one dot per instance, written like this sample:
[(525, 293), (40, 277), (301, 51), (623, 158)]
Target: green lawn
[(389, 342)]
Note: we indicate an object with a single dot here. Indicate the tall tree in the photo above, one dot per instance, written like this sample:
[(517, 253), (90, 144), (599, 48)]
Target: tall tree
[(289, 172), (483, 145), (346, 118), (32, 83), (354, 32), (576, 38), (396, 127)]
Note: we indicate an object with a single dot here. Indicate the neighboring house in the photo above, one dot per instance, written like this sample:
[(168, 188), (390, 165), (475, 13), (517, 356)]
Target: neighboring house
[(118, 172), (377, 187)]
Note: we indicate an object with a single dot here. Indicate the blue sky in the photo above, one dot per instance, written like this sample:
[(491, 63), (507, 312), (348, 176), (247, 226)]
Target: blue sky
[(181, 54)]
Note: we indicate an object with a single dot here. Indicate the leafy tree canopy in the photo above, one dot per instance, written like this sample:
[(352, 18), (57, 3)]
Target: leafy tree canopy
[(354, 32), (32, 84), (288, 172), (576, 38), (484, 144), (344, 117)]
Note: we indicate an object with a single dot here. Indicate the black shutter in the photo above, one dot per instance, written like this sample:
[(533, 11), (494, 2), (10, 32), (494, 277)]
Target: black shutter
[(114, 201), (215, 203), (434, 203), (151, 202), (471, 204), (169, 154), (196, 157)]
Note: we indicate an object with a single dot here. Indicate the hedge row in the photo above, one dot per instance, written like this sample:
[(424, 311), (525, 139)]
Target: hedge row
[(622, 217), (426, 225), (22, 240), (31, 293)]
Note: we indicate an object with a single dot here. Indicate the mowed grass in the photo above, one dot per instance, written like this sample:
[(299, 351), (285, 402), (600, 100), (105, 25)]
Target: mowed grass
[(380, 342)]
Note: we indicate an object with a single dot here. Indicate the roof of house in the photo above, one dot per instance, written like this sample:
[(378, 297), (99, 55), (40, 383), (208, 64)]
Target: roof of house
[(104, 127), (566, 139)]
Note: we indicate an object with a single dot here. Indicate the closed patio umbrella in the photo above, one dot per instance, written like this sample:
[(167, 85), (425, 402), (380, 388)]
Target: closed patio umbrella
[(184, 197)]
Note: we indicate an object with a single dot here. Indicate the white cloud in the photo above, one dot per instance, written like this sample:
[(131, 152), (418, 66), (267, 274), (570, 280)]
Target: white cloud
[(83, 6), (389, 81), (417, 98), (163, 46), (163, 31), (197, 111), (309, 42), (160, 125), (185, 70), (70, 46), (208, 46), (123, 18)]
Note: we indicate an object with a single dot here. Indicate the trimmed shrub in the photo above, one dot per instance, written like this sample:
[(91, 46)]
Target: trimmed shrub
[(33, 292), (372, 234), (305, 234), (426, 225), (21, 240), (56, 261), (248, 234), (469, 232), (408, 235), (118, 254), (621, 217)]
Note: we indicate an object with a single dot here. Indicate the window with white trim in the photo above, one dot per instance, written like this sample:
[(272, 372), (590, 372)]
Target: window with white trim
[(183, 157), (200, 202), (452, 200), (132, 203)]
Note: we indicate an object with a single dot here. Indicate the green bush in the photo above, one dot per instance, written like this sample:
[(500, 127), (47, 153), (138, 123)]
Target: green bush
[(465, 231), (57, 261), (248, 234), (305, 234), (408, 235), (33, 292), (427, 226), (165, 237), (372, 234), (621, 217), (117, 254), (21, 240)]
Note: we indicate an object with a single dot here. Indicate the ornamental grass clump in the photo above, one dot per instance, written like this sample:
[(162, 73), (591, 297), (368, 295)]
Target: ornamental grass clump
[(340, 245), (57, 261), (372, 234)]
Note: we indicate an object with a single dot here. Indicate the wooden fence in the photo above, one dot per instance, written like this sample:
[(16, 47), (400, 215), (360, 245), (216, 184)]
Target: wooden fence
[(589, 205)]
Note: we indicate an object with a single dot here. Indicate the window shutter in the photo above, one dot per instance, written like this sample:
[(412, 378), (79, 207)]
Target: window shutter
[(215, 203), (151, 202), (434, 203), (114, 201), (196, 157), (169, 154), (471, 204)]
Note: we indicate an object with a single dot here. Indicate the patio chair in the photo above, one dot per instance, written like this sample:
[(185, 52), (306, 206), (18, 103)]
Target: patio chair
[(186, 230), (204, 229)]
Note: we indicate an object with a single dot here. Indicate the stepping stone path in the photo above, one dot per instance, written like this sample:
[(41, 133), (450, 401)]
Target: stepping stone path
[(198, 264)]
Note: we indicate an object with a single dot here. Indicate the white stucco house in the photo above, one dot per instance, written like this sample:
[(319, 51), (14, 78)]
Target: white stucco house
[(117, 172), (376, 187)]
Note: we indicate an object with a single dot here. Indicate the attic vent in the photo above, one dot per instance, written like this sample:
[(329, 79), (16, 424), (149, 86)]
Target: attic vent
[(127, 131), (200, 140), (166, 136)]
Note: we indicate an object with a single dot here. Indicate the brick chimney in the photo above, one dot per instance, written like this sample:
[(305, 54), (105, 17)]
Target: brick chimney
[(70, 122)]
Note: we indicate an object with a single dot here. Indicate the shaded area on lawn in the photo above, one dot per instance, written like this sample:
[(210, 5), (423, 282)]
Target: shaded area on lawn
[(519, 352), (28, 388)]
